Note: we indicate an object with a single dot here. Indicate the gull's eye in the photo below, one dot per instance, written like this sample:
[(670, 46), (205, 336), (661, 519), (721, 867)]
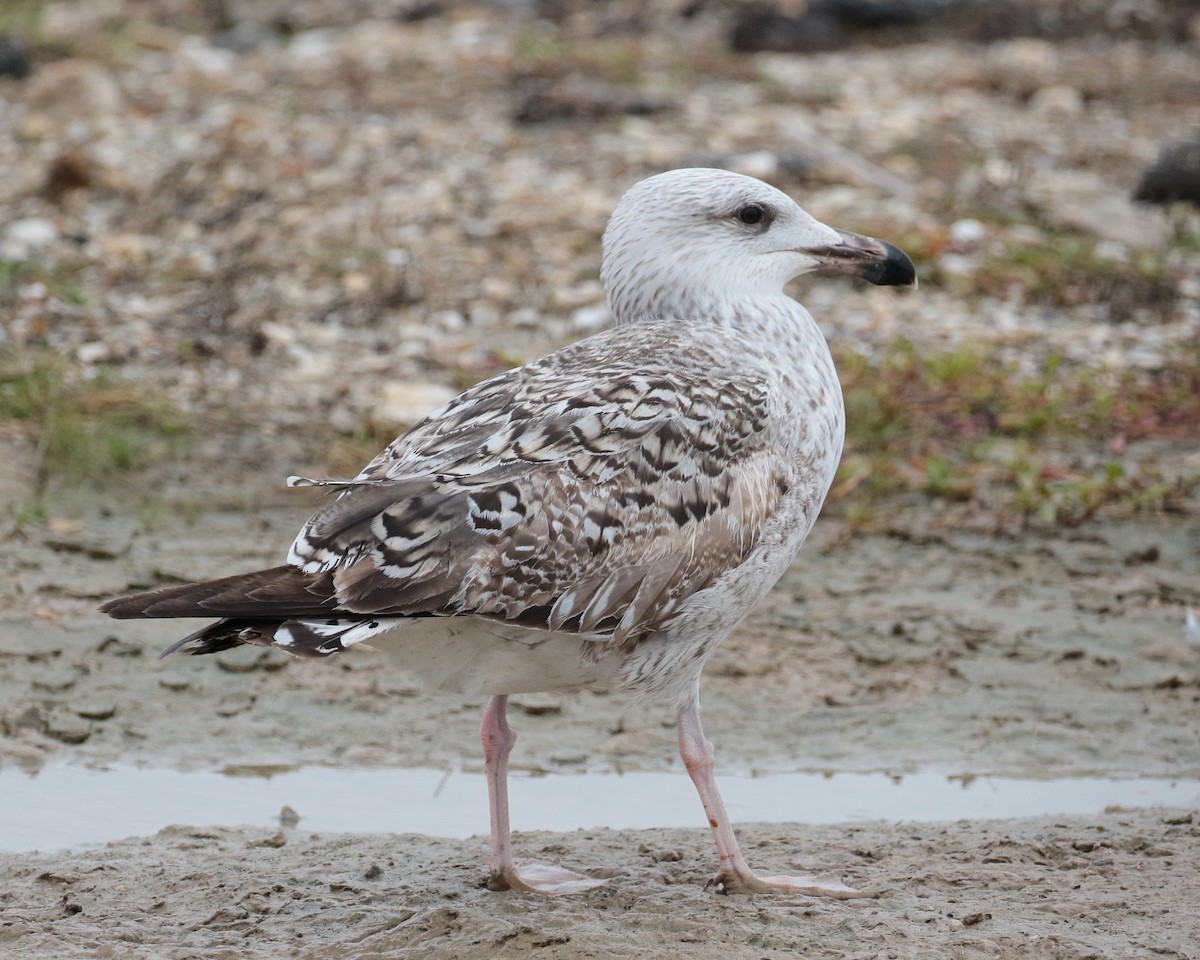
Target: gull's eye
[(752, 213)]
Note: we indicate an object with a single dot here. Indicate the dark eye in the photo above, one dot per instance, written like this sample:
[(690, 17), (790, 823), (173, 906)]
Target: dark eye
[(752, 213)]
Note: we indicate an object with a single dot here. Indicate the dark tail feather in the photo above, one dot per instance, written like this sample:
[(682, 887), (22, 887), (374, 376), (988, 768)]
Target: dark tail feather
[(222, 635), (301, 638), (280, 607), (281, 591)]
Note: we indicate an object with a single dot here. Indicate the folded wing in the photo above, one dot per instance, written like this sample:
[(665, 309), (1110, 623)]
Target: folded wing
[(552, 496)]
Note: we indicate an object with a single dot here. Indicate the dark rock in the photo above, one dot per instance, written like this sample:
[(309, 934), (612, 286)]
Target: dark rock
[(70, 170), (833, 24), (757, 31), (1173, 176), (421, 10), (14, 58), (540, 102)]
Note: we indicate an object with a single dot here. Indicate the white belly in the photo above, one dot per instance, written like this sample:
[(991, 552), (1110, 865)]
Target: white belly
[(478, 657)]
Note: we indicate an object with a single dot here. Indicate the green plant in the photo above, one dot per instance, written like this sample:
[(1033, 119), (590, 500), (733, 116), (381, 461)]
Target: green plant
[(1065, 270), (968, 427), (89, 430), (60, 279), (22, 18)]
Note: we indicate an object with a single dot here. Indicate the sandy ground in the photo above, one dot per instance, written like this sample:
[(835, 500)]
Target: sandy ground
[(1123, 885), (917, 649)]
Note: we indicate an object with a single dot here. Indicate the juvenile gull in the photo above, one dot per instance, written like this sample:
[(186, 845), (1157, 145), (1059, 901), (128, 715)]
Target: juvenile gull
[(604, 516)]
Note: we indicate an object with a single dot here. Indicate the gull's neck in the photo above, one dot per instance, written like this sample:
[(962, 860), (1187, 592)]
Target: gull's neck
[(771, 323)]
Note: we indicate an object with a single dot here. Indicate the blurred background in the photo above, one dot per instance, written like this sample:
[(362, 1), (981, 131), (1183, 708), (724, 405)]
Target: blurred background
[(247, 237)]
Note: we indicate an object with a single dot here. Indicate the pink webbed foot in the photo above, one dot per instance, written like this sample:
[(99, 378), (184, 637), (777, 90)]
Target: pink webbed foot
[(735, 876), (731, 881), (542, 878)]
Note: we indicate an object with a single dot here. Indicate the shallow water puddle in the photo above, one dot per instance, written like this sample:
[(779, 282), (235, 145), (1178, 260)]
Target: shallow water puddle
[(64, 805)]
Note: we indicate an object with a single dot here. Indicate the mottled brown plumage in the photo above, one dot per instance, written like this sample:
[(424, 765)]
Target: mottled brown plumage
[(590, 492), (604, 515)]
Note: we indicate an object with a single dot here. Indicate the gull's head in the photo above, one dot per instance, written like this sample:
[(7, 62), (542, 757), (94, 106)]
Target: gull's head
[(686, 242)]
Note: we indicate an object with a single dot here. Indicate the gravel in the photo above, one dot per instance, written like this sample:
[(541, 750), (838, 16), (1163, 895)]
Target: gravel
[(340, 217)]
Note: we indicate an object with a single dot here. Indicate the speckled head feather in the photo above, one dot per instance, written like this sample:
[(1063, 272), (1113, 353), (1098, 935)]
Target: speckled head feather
[(691, 243)]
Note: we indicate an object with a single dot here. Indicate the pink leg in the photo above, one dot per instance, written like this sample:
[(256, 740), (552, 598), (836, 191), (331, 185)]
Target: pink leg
[(733, 875), (498, 739)]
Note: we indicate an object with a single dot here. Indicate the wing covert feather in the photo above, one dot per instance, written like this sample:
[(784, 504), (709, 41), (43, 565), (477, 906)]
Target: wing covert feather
[(559, 497)]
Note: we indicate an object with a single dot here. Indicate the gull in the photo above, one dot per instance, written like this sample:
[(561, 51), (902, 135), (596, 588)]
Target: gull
[(602, 517)]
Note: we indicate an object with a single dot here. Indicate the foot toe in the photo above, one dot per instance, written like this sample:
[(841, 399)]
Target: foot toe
[(809, 886), (542, 878)]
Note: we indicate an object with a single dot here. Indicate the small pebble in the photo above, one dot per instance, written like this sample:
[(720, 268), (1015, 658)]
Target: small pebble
[(22, 238), (275, 841), (288, 817), (967, 232)]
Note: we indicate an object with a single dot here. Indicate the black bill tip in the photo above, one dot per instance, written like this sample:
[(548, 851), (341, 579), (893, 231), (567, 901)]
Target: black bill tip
[(894, 270), (876, 261)]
